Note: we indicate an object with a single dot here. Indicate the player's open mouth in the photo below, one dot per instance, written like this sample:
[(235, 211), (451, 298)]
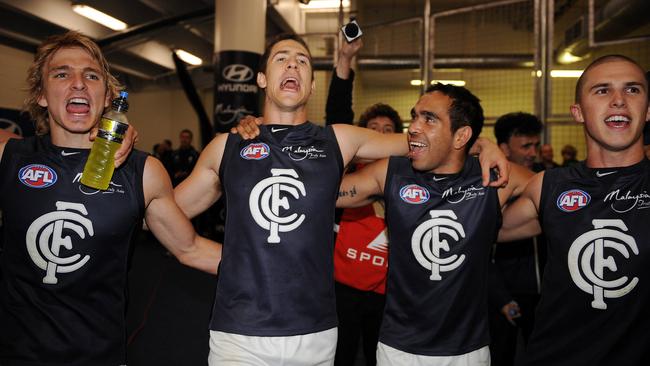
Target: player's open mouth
[(290, 84), (617, 121), (77, 105), (416, 147)]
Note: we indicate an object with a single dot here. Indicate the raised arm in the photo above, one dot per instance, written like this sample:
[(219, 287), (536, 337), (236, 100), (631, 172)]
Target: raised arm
[(170, 226), (363, 186), (202, 187), (520, 219), (338, 108)]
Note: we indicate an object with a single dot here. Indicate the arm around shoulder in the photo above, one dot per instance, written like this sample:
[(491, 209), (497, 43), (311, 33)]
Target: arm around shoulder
[(521, 218), (4, 137), (517, 182), (364, 143)]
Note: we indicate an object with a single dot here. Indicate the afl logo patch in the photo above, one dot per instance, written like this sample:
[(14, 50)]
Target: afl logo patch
[(37, 176), (573, 200), (255, 151), (414, 194)]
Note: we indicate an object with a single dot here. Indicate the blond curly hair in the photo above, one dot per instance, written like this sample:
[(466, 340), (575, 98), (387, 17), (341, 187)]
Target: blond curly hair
[(44, 53)]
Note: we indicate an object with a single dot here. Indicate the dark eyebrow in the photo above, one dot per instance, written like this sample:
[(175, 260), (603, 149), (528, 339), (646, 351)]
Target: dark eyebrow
[(600, 85), (430, 114), (279, 52), (286, 52), (629, 83), (427, 114), (635, 83)]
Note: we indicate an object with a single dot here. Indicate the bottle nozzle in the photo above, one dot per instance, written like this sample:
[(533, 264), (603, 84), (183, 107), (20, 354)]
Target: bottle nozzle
[(120, 104)]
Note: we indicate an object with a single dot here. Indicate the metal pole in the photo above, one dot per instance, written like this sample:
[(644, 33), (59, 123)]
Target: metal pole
[(543, 47), (548, 101), (537, 4), (426, 43)]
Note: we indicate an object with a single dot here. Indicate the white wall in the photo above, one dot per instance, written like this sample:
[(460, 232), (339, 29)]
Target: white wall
[(13, 72), (160, 115)]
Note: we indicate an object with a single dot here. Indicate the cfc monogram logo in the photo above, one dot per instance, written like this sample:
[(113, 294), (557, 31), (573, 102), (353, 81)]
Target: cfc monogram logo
[(587, 261), (269, 195), (427, 242), (45, 237)]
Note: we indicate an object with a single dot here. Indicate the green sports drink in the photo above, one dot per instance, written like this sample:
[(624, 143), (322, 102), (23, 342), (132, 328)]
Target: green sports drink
[(101, 161)]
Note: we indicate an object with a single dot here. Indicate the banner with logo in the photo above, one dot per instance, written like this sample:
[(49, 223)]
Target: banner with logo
[(17, 122), (236, 91)]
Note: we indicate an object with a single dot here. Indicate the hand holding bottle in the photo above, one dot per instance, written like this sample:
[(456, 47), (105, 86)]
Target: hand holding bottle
[(113, 127)]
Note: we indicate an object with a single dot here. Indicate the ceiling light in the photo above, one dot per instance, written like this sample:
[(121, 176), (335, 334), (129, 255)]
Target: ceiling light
[(567, 58), (450, 82), (99, 17), (188, 57), (416, 82), (324, 4), (566, 73)]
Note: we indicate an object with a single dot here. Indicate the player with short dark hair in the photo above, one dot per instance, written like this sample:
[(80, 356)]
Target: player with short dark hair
[(595, 290), (441, 224)]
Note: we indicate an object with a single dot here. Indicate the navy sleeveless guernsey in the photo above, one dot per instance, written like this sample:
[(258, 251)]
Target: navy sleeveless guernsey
[(63, 288), (440, 229), (596, 285), (276, 273)]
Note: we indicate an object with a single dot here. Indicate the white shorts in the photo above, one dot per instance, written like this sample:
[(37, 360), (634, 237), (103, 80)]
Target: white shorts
[(301, 350), (389, 356)]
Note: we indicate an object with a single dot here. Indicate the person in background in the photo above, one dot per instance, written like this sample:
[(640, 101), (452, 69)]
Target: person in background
[(66, 246), (546, 159), (184, 158), (518, 135), (361, 249), (163, 152), (569, 154), (515, 275)]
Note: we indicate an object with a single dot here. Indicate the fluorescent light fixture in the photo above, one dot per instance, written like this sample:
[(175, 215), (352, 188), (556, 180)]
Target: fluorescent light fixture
[(451, 82), (99, 17), (566, 73), (188, 57), (416, 82), (325, 4), (567, 58)]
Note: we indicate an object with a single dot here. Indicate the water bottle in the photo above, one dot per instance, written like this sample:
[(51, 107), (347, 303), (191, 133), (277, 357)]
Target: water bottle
[(101, 161)]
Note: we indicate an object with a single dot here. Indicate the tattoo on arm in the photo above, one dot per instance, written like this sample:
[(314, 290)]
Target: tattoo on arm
[(349, 193)]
